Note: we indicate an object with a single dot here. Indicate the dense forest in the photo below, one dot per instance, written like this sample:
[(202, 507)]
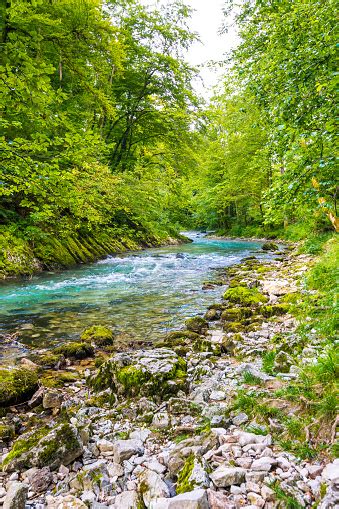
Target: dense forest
[(105, 145)]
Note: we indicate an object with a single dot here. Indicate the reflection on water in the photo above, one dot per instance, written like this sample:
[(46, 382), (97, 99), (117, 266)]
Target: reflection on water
[(143, 294)]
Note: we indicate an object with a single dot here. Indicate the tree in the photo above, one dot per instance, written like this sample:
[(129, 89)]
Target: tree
[(286, 60)]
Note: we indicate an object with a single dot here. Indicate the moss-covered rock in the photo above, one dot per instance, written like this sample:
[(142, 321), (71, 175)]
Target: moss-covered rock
[(49, 360), (245, 296), (52, 379), (212, 314), (75, 350), (16, 256), (233, 327), (275, 310), (270, 246), (230, 344), (17, 385), (44, 447), (236, 282), (197, 324), (205, 345), (7, 431), (98, 335), (159, 372), (236, 314), (176, 337)]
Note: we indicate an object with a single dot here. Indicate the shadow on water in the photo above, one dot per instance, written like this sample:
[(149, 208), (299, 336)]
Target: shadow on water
[(143, 294)]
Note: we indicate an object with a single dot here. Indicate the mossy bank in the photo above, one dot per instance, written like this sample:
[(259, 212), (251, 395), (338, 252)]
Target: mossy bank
[(23, 253)]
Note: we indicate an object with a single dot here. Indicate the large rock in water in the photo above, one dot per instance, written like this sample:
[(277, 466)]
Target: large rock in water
[(44, 448), (157, 372)]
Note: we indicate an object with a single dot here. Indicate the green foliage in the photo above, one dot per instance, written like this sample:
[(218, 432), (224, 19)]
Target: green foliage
[(286, 500), (267, 153), (268, 362), (250, 379), (95, 133), (184, 484)]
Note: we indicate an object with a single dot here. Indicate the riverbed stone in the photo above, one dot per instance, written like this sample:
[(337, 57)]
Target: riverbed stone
[(45, 447), (152, 487), (16, 496), (39, 479), (157, 372), (196, 499), (126, 500), (225, 476), (124, 449), (52, 399)]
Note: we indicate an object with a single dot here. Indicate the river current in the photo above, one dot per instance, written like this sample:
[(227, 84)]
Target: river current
[(142, 295)]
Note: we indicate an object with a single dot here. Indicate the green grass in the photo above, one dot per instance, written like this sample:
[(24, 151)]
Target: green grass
[(250, 379), (268, 362), (287, 500)]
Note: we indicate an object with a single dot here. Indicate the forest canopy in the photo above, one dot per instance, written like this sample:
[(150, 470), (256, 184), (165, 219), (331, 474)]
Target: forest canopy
[(101, 129)]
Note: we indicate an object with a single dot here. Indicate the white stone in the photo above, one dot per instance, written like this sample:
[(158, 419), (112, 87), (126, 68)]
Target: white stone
[(115, 469), (140, 434), (105, 446), (88, 496), (154, 465), (245, 438), (16, 496), (196, 499), (331, 471), (153, 487), (226, 476), (255, 499), (67, 502), (161, 420), (125, 449), (126, 500), (218, 395), (267, 493), (263, 464)]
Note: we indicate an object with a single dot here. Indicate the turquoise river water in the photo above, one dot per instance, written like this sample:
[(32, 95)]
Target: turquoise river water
[(142, 295)]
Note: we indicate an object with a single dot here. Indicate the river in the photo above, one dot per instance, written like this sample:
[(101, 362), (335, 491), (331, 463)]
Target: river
[(142, 295)]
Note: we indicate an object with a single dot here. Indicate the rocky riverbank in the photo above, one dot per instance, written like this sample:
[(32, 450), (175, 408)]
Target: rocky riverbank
[(213, 416)]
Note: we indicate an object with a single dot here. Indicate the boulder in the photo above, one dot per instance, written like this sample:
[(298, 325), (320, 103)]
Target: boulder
[(16, 496), (152, 487), (44, 447), (125, 449), (197, 324), (225, 476), (282, 362), (52, 399), (17, 385), (270, 246), (98, 335), (156, 372), (39, 479)]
